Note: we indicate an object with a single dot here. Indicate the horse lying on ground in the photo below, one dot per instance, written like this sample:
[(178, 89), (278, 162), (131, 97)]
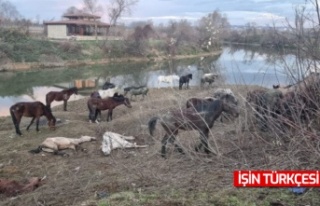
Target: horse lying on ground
[(135, 91), (168, 79), (12, 188), (108, 85), (199, 118), (63, 95), (209, 77), (184, 80), (96, 105), (31, 109), (113, 140), (55, 144)]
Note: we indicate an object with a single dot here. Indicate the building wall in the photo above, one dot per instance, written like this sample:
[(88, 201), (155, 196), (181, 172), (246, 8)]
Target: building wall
[(57, 31)]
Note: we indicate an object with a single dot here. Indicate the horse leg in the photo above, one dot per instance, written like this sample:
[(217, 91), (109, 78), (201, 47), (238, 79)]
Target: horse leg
[(204, 140), (17, 123), (109, 117), (30, 123), (164, 142), (65, 105), (37, 123)]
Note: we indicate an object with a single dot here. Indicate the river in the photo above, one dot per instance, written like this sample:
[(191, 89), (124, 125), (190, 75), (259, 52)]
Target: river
[(237, 66)]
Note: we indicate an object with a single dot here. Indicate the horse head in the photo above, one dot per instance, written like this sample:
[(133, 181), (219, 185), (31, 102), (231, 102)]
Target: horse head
[(190, 76), (52, 123), (74, 90), (230, 105), (87, 138), (127, 103)]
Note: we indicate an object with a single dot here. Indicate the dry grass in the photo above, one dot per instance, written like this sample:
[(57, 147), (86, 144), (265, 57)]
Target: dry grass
[(141, 176)]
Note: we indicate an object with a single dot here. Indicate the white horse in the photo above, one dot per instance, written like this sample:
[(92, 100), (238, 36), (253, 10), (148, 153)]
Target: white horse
[(54, 144), (168, 79), (113, 140), (110, 92)]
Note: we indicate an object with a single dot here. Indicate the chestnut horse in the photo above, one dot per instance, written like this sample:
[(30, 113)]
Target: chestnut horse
[(12, 188), (31, 109), (201, 119), (63, 95), (95, 105)]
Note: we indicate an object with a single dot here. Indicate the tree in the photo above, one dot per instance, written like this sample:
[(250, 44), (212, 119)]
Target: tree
[(73, 10), (92, 7), (8, 12), (211, 28), (117, 8)]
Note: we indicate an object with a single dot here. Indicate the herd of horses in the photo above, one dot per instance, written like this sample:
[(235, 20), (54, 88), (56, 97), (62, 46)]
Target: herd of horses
[(287, 104)]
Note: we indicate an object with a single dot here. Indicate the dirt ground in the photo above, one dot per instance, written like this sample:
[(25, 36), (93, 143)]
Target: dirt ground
[(141, 176)]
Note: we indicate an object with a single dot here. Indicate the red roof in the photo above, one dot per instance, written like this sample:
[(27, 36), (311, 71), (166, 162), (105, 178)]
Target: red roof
[(77, 22)]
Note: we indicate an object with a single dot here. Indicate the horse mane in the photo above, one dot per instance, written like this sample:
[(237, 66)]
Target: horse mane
[(118, 97)]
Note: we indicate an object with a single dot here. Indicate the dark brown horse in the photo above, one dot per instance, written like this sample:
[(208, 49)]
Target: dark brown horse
[(63, 95), (96, 105), (198, 102), (198, 118), (31, 109)]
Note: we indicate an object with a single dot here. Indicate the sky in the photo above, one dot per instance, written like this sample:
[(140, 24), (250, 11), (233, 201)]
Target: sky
[(238, 12)]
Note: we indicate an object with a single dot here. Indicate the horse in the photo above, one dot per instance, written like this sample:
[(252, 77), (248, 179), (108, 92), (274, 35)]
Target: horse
[(184, 80), (95, 106), (95, 94), (265, 103), (167, 79), (108, 85), (135, 91), (12, 188), (199, 118), (55, 144), (63, 95), (113, 140), (198, 102), (209, 77), (109, 92), (31, 109)]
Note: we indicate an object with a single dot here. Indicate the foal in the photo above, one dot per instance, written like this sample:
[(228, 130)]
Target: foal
[(184, 80), (63, 95), (95, 105), (200, 118), (31, 109)]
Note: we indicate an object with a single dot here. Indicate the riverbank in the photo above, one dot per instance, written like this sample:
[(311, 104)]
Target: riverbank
[(19, 66), (141, 176)]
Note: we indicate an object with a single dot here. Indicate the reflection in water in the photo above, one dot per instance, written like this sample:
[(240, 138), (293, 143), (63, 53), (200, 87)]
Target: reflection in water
[(38, 94), (235, 66)]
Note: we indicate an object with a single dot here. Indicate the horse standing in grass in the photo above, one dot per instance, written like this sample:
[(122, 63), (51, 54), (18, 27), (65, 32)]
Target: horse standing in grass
[(209, 77), (185, 80), (135, 91), (95, 106), (63, 95), (201, 119), (31, 109), (168, 79)]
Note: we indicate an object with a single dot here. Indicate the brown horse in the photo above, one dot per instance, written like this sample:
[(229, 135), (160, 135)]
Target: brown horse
[(12, 188), (201, 119), (95, 105), (31, 109), (63, 95)]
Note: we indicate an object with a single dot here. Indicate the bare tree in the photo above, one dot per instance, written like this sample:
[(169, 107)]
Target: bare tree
[(93, 7), (118, 8), (8, 12), (73, 10)]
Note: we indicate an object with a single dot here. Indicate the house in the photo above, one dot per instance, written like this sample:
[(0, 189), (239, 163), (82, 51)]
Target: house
[(77, 26)]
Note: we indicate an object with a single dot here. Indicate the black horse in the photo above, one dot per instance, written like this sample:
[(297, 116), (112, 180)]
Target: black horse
[(108, 85), (184, 80), (200, 118)]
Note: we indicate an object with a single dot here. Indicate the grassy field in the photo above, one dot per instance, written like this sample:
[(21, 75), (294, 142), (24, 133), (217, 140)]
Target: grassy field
[(141, 176)]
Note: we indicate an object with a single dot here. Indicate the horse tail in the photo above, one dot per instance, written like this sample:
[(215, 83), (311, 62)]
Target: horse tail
[(13, 116), (36, 151), (152, 124)]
